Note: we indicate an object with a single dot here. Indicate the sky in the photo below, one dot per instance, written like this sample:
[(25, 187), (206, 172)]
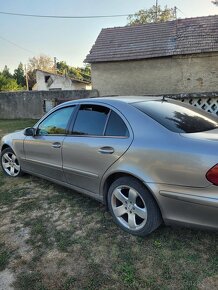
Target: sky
[(70, 40)]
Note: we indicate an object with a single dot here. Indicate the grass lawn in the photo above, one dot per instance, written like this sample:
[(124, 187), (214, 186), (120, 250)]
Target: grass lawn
[(7, 126), (54, 238)]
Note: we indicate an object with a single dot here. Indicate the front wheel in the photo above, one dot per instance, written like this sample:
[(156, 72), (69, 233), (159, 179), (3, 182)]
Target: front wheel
[(133, 207), (10, 163)]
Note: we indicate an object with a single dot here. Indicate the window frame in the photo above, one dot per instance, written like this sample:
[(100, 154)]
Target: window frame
[(49, 114), (71, 126)]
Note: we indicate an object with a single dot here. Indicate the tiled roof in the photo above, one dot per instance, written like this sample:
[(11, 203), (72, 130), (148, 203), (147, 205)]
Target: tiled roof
[(182, 36)]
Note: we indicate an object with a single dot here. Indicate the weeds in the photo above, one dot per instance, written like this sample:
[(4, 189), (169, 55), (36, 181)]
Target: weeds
[(4, 256)]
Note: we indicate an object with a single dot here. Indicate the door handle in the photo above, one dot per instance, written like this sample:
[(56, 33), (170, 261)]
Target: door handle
[(106, 150), (56, 145)]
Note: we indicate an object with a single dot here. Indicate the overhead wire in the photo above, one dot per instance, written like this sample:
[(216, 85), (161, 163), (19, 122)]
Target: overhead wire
[(60, 17), (72, 16), (180, 11), (17, 45), (64, 16)]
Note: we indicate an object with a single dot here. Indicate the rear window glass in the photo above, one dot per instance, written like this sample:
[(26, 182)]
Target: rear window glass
[(91, 120), (179, 118), (116, 126)]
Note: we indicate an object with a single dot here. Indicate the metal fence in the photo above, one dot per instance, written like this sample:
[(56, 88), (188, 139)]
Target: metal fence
[(207, 104), (207, 101)]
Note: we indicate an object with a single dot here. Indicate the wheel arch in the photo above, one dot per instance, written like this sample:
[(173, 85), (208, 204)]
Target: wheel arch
[(114, 176), (5, 146)]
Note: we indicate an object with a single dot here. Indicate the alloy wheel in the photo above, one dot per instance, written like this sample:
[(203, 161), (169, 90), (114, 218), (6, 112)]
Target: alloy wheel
[(129, 207), (10, 164)]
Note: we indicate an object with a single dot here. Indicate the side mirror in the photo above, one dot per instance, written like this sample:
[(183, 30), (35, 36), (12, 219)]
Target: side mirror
[(30, 131)]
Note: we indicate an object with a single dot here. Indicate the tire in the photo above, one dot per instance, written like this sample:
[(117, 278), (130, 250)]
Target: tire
[(133, 207), (10, 163)]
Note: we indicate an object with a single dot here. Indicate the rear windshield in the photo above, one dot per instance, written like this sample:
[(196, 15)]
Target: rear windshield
[(178, 117)]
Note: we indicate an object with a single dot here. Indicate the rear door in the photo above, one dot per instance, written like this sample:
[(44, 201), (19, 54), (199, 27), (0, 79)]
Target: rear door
[(99, 136)]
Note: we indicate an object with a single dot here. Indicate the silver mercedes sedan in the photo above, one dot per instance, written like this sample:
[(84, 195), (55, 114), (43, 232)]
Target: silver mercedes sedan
[(149, 159)]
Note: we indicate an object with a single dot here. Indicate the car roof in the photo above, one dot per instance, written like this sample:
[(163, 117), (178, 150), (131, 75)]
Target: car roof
[(113, 99)]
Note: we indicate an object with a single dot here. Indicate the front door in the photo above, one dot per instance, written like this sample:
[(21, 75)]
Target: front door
[(43, 152)]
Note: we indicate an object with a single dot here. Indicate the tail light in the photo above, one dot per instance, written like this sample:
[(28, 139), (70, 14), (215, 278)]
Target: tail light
[(212, 175)]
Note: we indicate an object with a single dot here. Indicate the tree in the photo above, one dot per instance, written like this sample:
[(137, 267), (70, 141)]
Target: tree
[(62, 67), (154, 14), (8, 84), (19, 75), (42, 62), (86, 72), (6, 72), (74, 72)]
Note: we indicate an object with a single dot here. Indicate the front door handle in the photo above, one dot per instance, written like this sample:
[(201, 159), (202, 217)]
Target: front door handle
[(56, 145), (106, 150)]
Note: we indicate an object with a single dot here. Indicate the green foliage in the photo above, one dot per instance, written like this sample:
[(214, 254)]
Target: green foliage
[(6, 73), (149, 15), (74, 72), (8, 84), (17, 81), (62, 67), (127, 273), (19, 75)]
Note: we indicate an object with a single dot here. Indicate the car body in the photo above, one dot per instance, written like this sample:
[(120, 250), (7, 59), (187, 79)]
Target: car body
[(148, 158)]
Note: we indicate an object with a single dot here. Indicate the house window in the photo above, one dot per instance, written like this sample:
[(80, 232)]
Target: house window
[(47, 78)]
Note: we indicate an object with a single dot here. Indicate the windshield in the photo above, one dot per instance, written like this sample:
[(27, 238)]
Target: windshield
[(178, 117)]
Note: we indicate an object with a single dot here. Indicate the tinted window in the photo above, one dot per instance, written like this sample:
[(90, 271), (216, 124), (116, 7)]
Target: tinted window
[(180, 118), (91, 120), (56, 123), (116, 126)]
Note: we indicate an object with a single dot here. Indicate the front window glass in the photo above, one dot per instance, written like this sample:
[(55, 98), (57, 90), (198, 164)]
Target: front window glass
[(56, 123), (91, 120), (178, 117)]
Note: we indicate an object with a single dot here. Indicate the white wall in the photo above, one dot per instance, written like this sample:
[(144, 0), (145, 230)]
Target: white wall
[(59, 82)]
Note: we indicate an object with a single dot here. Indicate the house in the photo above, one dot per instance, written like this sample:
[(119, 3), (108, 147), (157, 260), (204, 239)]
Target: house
[(173, 57), (47, 81)]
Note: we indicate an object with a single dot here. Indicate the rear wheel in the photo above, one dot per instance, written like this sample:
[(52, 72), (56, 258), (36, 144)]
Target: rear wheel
[(133, 207), (10, 163)]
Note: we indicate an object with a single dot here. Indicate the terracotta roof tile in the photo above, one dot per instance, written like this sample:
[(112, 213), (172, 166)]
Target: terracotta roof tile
[(182, 36)]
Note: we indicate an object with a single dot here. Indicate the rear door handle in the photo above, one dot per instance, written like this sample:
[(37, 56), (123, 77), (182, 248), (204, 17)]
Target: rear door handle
[(56, 145), (106, 150)]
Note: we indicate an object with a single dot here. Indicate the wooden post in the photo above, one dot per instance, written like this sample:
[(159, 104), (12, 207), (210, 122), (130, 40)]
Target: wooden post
[(27, 83)]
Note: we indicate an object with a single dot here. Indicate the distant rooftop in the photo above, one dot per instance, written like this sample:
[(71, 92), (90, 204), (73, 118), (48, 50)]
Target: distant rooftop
[(177, 37), (75, 80)]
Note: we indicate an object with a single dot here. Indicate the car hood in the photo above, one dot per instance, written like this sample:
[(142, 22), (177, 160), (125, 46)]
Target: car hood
[(211, 135)]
